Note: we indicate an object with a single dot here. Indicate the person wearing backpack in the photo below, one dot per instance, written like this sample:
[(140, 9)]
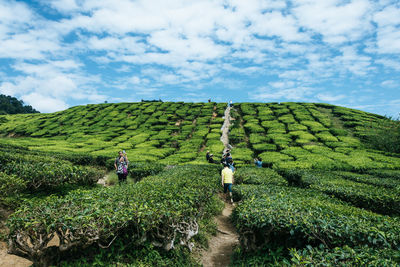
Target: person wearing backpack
[(121, 167)]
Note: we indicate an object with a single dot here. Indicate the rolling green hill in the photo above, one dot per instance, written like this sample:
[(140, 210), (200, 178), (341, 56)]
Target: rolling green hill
[(327, 199), (284, 135)]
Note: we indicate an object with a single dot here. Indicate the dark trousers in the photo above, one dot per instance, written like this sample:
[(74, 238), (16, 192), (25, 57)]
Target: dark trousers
[(121, 177)]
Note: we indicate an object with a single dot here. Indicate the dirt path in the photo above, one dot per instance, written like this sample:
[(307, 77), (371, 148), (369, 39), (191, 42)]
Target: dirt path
[(8, 260), (225, 129), (221, 246)]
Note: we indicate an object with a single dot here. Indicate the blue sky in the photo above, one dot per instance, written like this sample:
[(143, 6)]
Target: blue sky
[(60, 53)]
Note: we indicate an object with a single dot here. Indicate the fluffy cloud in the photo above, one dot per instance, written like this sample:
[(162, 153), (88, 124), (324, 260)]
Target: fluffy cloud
[(71, 50)]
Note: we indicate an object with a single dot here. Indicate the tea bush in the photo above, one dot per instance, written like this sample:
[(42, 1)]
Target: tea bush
[(162, 210), (293, 217), (377, 199)]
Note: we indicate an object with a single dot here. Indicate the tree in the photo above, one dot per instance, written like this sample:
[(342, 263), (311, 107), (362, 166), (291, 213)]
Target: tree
[(11, 105)]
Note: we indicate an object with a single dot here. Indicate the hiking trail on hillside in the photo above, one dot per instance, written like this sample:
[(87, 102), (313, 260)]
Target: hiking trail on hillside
[(221, 246)]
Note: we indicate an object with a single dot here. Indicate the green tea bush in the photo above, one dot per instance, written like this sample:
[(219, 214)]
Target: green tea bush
[(377, 199), (162, 210), (314, 126), (10, 188), (264, 147), (370, 179), (274, 157), (342, 256), (251, 175), (276, 216)]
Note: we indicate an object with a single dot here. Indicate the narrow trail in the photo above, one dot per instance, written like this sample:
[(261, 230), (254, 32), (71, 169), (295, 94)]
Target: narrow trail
[(225, 129), (221, 246)]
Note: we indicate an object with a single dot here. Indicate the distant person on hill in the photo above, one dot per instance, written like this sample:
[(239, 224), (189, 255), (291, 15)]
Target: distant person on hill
[(208, 155), (258, 162), (121, 167), (211, 159), (227, 180)]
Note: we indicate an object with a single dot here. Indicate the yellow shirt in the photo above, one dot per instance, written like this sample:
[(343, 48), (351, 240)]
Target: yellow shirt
[(228, 175)]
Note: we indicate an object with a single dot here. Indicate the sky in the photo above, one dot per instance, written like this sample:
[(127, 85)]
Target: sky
[(55, 54)]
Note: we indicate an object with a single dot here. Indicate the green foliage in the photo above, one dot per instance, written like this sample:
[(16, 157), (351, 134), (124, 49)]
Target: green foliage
[(384, 135), (46, 172), (162, 210), (252, 175), (10, 189), (343, 256), (11, 105), (295, 217), (378, 199)]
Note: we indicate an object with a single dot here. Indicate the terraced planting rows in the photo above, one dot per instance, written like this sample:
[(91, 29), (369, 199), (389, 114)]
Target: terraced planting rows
[(166, 211), (311, 225), (323, 197), (305, 136), (163, 131)]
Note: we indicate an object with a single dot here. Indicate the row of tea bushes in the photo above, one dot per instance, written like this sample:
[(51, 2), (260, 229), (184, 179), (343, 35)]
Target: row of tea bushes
[(262, 176), (371, 179), (11, 188), (42, 172), (375, 198), (294, 217), (343, 256), (161, 210), (148, 131), (271, 127)]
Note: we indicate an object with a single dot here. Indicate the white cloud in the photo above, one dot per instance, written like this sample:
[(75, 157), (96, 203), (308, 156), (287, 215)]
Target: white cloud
[(328, 97), (390, 84), (390, 63), (44, 103), (294, 94), (337, 21), (275, 24)]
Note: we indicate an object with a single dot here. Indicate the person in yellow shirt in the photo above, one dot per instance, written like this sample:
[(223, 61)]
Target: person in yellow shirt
[(227, 180)]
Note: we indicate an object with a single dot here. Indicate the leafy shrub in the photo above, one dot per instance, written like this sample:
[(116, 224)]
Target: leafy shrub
[(162, 210), (293, 176), (251, 175), (10, 187), (384, 136), (274, 157), (276, 216), (377, 199), (343, 256), (338, 132), (370, 179)]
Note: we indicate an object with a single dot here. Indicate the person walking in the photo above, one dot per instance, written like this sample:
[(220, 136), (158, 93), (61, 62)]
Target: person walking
[(227, 181), (121, 167)]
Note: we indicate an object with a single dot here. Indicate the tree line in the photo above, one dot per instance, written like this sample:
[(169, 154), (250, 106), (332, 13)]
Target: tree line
[(11, 105)]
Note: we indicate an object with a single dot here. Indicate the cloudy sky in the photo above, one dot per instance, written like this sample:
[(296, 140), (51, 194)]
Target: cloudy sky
[(59, 53)]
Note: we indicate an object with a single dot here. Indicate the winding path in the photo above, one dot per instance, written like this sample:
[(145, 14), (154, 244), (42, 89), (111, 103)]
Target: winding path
[(221, 246)]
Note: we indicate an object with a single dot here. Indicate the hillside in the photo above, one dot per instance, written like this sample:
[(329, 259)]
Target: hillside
[(327, 200), (285, 135)]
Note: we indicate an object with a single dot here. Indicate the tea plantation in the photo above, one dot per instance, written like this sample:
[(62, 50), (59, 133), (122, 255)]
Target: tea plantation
[(325, 197)]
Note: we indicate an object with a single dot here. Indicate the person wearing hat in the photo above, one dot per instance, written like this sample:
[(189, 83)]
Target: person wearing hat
[(211, 159)]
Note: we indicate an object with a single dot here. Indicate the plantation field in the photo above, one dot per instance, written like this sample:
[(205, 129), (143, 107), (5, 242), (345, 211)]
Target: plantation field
[(323, 198), (166, 132)]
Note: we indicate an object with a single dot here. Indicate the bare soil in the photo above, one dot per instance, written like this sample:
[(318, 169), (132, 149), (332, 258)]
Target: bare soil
[(8, 260), (221, 246)]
